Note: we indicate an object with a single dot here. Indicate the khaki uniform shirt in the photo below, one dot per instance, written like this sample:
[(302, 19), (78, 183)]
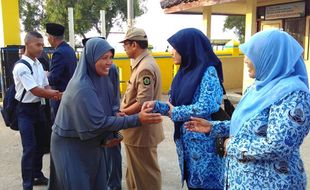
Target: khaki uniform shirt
[(144, 85)]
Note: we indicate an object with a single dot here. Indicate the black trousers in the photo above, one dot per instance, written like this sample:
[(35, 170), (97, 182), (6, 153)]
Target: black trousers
[(31, 128)]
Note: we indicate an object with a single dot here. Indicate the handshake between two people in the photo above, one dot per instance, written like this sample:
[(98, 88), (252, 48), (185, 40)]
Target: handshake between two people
[(57, 96), (195, 124), (47, 92), (146, 116)]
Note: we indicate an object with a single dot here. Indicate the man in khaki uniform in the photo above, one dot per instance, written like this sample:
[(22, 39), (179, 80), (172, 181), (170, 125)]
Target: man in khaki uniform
[(143, 171)]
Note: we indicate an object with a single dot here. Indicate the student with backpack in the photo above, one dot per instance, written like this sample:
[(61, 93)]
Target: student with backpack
[(35, 87)]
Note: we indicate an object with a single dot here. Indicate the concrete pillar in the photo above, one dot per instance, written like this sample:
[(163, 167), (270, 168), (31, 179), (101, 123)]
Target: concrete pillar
[(207, 12), (250, 29), (130, 13), (250, 19), (9, 23), (71, 27), (102, 20)]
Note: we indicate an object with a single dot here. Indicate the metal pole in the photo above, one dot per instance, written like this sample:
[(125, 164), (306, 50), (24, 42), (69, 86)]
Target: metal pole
[(102, 19), (71, 27), (130, 15)]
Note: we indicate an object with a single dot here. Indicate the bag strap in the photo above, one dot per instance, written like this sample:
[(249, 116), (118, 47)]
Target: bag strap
[(224, 91), (24, 92), (26, 63), (30, 68)]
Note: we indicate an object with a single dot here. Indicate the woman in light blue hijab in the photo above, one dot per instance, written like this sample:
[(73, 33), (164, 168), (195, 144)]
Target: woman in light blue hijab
[(271, 120), (84, 119)]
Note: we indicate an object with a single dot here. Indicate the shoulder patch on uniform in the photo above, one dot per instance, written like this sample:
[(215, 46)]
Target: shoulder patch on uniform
[(146, 80)]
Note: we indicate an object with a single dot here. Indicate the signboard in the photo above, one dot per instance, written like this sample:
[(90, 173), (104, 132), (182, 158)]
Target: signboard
[(285, 11)]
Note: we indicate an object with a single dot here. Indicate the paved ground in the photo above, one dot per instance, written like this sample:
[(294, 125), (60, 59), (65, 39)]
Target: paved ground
[(10, 154)]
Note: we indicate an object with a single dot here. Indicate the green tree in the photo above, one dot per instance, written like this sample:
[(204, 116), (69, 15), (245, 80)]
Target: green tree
[(237, 24), (31, 13), (86, 13)]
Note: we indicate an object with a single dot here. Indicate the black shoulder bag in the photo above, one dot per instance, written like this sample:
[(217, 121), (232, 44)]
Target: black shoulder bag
[(222, 115), (226, 113)]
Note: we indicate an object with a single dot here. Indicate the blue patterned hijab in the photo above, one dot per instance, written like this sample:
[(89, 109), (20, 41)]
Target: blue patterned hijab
[(197, 55), (280, 69)]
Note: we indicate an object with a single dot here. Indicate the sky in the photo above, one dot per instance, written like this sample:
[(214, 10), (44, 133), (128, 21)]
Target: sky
[(160, 26)]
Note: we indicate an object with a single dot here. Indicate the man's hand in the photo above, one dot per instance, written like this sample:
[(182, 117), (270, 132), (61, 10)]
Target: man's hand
[(148, 104), (198, 125)]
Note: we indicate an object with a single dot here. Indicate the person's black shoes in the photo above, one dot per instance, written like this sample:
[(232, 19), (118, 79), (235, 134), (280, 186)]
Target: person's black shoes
[(40, 181)]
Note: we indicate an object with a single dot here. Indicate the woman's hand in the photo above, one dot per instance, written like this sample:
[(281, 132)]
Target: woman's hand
[(148, 104), (57, 95), (225, 146), (198, 125), (112, 142), (149, 118), (120, 114), (170, 110)]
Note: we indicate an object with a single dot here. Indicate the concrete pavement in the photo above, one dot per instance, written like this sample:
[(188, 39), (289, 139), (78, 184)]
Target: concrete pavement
[(10, 155)]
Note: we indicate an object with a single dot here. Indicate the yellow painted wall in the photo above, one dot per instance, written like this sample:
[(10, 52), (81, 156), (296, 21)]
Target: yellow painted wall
[(163, 60), (229, 8), (233, 72), (10, 23), (123, 63), (232, 68)]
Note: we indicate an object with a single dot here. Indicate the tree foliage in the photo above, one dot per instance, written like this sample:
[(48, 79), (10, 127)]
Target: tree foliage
[(86, 13), (31, 14), (237, 24)]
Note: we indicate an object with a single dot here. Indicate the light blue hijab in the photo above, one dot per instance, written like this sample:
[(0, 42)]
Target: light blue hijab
[(280, 69)]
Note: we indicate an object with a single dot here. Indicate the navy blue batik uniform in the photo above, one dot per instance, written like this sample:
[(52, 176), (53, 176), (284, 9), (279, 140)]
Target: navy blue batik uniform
[(61, 70)]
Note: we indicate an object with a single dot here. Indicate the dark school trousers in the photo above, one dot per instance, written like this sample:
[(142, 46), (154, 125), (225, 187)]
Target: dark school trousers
[(31, 126)]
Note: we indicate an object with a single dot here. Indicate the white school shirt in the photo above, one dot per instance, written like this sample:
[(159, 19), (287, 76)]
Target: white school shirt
[(23, 79)]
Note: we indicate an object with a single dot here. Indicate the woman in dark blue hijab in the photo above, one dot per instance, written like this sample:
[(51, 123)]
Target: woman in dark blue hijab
[(83, 121), (195, 91)]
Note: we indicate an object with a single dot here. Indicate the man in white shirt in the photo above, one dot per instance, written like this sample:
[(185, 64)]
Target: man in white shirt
[(30, 119)]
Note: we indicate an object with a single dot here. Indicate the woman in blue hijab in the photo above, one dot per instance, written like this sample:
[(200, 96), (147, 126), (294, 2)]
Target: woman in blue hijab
[(272, 118), (84, 120), (195, 91)]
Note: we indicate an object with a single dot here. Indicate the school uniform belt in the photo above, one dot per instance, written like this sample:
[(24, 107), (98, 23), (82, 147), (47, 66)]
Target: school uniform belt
[(32, 104)]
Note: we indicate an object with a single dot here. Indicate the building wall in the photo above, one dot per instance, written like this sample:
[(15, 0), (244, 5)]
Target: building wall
[(232, 68), (233, 72), (273, 2)]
